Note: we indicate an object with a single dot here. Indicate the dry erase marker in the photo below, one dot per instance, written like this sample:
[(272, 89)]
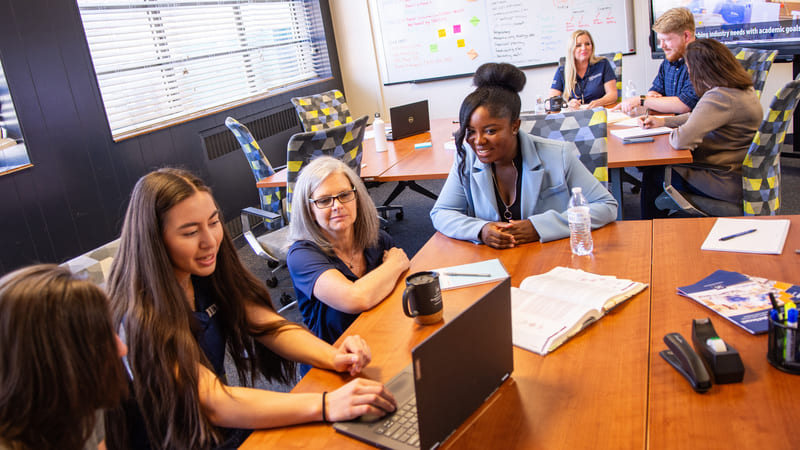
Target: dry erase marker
[(734, 235)]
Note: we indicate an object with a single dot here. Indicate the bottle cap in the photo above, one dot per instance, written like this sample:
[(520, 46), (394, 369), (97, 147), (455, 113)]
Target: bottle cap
[(577, 190)]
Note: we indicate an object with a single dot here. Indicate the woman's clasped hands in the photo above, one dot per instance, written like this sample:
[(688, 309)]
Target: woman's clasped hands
[(508, 234)]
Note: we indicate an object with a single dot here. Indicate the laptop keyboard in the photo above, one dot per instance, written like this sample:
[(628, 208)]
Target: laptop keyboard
[(403, 425)]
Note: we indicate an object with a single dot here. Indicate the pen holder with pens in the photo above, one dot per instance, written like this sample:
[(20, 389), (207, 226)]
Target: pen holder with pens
[(782, 351)]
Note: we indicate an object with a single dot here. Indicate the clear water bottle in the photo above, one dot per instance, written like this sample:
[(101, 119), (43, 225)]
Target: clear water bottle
[(539, 105), (580, 224), (630, 89), (379, 128)]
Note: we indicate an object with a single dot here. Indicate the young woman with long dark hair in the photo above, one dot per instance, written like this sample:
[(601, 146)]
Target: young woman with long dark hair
[(181, 297)]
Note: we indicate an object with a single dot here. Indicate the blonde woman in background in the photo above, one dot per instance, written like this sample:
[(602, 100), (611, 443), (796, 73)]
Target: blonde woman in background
[(584, 79)]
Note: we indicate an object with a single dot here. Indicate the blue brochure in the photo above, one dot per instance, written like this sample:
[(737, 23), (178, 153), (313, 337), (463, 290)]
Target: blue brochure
[(741, 299)]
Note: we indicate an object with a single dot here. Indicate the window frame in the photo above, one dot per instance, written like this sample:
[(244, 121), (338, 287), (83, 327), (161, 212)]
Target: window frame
[(313, 42)]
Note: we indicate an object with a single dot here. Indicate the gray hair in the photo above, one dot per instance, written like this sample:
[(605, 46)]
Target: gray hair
[(303, 226)]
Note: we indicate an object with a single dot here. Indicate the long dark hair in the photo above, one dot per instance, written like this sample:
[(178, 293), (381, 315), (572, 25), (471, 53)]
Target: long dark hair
[(497, 88), (147, 300), (712, 65), (59, 362)]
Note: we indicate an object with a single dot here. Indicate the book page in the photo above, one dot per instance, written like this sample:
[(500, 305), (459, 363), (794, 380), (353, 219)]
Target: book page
[(538, 320), (600, 292)]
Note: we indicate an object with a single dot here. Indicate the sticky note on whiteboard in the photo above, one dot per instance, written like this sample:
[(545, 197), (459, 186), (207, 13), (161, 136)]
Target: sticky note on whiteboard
[(442, 33)]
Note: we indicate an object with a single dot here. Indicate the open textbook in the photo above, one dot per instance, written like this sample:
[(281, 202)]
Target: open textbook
[(742, 299), (550, 308)]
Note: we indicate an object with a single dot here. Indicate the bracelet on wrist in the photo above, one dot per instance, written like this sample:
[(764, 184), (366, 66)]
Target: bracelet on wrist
[(324, 414)]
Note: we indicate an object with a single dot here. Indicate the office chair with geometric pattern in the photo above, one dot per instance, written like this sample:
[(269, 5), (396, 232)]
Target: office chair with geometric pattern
[(342, 142), (269, 246), (757, 63), (320, 111), (326, 110), (615, 58), (587, 129)]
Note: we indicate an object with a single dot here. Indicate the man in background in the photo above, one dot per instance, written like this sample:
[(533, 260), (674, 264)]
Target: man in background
[(671, 92)]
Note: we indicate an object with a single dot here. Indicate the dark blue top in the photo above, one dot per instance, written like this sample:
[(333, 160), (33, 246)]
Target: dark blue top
[(306, 263), (591, 86), (672, 80), (207, 329)]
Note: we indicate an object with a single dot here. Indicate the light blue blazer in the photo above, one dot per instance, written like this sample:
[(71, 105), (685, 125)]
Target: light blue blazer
[(550, 169)]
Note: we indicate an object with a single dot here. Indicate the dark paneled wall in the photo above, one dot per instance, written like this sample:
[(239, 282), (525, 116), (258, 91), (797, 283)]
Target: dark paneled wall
[(74, 197)]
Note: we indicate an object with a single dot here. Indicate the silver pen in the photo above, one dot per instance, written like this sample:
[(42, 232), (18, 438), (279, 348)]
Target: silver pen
[(457, 274)]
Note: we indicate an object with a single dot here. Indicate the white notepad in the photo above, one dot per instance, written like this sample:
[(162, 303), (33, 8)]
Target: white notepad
[(769, 237), (485, 271), (636, 132)]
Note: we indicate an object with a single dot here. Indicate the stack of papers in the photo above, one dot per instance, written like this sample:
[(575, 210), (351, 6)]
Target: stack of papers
[(616, 116), (636, 132)]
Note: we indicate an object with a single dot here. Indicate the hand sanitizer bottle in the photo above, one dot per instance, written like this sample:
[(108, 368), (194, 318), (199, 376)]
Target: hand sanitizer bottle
[(379, 128)]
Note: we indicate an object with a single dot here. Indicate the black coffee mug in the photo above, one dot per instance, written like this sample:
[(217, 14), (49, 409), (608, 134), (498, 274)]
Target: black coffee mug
[(554, 104), (422, 298)]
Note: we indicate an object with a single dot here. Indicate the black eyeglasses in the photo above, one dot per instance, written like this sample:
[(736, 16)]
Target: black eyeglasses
[(327, 202)]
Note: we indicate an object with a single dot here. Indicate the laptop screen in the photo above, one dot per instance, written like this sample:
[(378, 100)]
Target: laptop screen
[(457, 368)]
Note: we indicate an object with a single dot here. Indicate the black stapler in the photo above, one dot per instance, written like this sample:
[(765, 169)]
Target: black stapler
[(683, 358), (723, 360)]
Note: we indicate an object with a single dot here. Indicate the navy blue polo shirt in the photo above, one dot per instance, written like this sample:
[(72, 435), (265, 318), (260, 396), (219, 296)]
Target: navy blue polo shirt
[(672, 80), (591, 86), (306, 263)]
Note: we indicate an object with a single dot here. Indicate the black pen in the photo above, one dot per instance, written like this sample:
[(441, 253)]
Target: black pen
[(742, 233), (773, 301)]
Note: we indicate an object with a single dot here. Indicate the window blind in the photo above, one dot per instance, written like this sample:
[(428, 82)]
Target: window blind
[(160, 62)]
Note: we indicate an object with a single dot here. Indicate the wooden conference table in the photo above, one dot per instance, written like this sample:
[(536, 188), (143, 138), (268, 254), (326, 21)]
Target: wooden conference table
[(591, 392), (375, 164), (656, 153), (759, 412), (405, 164), (607, 387)]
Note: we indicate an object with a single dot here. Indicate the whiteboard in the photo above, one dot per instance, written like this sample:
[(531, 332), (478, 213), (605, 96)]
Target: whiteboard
[(432, 39)]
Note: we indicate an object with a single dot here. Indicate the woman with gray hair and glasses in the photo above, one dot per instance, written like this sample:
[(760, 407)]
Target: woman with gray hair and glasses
[(340, 261)]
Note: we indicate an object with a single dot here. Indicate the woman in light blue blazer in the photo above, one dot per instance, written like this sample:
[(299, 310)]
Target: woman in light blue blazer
[(508, 188)]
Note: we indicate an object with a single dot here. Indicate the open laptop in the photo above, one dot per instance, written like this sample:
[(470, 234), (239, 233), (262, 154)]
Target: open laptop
[(408, 120), (452, 373)]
